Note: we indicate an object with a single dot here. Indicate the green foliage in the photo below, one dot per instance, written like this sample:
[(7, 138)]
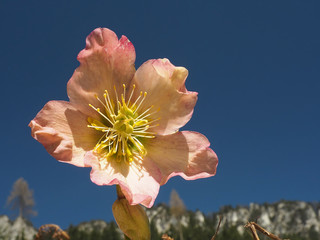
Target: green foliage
[(295, 237), (2, 234), (21, 236), (154, 233), (256, 213), (230, 234), (313, 235), (108, 233), (194, 231), (111, 233)]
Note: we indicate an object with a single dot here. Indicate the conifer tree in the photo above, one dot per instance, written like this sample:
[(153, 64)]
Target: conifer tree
[(177, 209), (21, 199)]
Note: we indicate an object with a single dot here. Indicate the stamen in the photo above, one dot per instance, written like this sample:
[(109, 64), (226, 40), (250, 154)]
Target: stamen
[(109, 142), (98, 110), (108, 104), (124, 90), (142, 131), (144, 96), (123, 151), (139, 145), (157, 119), (136, 143), (101, 138), (123, 100), (97, 127), (115, 90), (148, 115), (117, 144), (137, 100), (140, 116), (152, 126), (133, 87), (96, 96), (145, 136), (121, 140)]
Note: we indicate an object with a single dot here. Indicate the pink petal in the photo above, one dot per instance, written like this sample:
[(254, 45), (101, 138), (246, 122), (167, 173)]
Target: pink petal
[(62, 130), (140, 186), (183, 153), (165, 87), (104, 63)]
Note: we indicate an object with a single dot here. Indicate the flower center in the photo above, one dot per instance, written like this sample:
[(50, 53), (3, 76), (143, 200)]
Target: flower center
[(124, 127)]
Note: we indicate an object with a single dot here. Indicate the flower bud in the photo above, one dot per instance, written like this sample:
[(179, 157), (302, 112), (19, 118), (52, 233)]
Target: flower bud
[(131, 219)]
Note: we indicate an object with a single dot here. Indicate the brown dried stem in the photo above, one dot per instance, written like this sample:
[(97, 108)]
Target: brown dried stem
[(253, 226), (253, 230), (265, 232), (217, 230)]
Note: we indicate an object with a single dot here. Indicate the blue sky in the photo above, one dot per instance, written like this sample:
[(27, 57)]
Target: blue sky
[(254, 63)]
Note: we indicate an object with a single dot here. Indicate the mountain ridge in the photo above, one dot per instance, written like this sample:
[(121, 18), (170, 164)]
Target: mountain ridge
[(296, 219)]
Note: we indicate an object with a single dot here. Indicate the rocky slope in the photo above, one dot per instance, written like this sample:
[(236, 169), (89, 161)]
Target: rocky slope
[(18, 229), (284, 218), (281, 218)]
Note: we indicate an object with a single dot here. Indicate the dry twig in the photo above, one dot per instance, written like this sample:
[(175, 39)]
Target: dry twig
[(217, 230), (254, 226), (265, 232), (253, 230)]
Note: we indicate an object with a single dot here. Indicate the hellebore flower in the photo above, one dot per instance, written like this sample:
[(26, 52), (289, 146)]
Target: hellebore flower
[(124, 123)]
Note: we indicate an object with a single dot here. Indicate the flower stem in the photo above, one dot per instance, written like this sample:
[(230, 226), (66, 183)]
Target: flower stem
[(120, 193)]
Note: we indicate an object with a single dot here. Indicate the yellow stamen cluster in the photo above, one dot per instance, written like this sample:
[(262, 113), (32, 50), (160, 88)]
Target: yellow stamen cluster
[(124, 127)]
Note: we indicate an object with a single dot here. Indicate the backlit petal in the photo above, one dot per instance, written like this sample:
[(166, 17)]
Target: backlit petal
[(62, 130), (165, 87), (104, 63), (183, 153), (139, 184)]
